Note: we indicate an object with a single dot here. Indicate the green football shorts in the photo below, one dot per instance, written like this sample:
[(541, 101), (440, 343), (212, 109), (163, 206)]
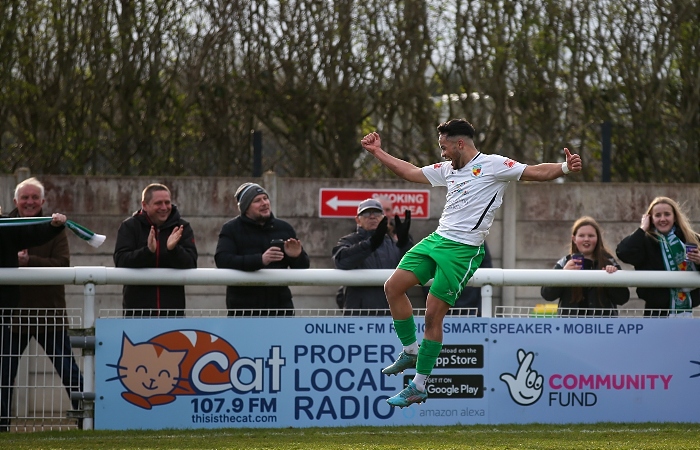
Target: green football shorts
[(450, 264)]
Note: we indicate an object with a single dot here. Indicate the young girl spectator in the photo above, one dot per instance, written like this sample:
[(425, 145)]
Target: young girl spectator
[(588, 252), (660, 244)]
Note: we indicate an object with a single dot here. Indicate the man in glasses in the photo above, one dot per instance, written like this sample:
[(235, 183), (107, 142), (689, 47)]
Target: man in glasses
[(371, 247)]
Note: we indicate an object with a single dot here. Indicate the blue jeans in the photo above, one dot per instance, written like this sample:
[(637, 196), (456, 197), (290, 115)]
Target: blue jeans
[(56, 344)]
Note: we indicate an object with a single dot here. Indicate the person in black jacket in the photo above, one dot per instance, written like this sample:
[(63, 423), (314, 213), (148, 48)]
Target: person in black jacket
[(587, 240), (371, 247), (660, 244), (14, 239), (155, 237), (245, 243)]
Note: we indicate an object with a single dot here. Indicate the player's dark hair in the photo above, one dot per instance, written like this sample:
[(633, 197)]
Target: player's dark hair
[(456, 127)]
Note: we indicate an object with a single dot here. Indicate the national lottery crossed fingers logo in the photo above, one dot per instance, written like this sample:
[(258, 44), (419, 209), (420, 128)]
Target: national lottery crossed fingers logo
[(526, 386)]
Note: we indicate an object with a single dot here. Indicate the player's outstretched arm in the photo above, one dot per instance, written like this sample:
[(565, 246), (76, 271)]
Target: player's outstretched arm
[(373, 144), (551, 171)]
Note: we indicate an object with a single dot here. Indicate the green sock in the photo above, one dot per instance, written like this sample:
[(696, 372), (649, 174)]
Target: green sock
[(406, 330), (427, 356)]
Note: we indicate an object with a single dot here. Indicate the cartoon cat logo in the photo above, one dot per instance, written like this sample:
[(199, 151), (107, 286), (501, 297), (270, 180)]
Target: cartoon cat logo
[(156, 371), (526, 386)]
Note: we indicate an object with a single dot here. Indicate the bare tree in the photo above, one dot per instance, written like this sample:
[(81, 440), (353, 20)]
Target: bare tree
[(175, 87)]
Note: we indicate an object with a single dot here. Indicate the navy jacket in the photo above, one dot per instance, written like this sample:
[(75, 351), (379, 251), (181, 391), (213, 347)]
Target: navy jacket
[(355, 252), (242, 242), (12, 240)]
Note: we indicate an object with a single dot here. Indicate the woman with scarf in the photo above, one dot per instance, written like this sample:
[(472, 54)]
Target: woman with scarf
[(660, 244), (587, 244)]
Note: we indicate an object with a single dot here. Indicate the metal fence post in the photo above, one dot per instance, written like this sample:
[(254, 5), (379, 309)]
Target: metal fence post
[(89, 355), (487, 300)]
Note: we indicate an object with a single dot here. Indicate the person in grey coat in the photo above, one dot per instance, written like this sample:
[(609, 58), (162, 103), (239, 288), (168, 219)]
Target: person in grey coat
[(371, 247)]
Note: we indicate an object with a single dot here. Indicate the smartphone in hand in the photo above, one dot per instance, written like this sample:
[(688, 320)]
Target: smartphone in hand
[(279, 243)]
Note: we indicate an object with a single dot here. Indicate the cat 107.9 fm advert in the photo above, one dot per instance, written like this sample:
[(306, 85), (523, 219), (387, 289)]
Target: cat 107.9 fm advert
[(310, 372)]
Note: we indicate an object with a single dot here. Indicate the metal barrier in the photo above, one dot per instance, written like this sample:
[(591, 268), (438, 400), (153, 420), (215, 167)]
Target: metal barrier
[(39, 370), (299, 312), (56, 414), (551, 310)]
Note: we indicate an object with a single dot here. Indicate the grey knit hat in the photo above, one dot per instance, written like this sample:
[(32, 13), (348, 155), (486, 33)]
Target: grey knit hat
[(246, 193)]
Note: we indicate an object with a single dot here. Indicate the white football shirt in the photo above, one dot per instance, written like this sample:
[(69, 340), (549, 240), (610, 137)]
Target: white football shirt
[(474, 193)]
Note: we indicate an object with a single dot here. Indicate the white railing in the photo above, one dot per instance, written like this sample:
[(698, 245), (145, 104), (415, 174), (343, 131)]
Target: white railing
[(90, 276), (333, 277)]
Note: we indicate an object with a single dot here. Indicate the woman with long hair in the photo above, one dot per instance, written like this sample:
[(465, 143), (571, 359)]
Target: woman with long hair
[(587, 252), (662, 243)]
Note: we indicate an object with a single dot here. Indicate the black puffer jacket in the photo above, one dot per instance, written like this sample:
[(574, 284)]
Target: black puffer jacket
[(355, 252), (602, 300), (131, 251), (644, 253), (242, 242), (12, 240)]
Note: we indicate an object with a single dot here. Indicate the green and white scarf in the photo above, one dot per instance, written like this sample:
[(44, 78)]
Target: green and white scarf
[(673, 252), (83, 233)]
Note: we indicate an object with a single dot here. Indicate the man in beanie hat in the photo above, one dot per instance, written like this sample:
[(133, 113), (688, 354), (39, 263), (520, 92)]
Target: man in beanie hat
[(246, 243)]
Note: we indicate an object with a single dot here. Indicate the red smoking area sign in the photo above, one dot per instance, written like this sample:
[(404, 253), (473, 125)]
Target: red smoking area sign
[(343, 202)]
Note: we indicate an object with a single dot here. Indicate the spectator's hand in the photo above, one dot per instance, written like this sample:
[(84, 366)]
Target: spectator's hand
[(23, 257), (402, 228), (694, 256), (378, 236), (175, 236), (610, 268), (292, 247), (645, 223), (152, 240), (58, 219), (272, 254), (571, 265)]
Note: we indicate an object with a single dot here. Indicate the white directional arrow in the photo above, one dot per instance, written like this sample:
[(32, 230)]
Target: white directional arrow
[(335, 203)]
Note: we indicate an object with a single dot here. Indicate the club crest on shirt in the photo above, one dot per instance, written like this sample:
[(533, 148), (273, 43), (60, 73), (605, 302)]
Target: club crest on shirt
[(509, 163), (437, 165), (476, 170)]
